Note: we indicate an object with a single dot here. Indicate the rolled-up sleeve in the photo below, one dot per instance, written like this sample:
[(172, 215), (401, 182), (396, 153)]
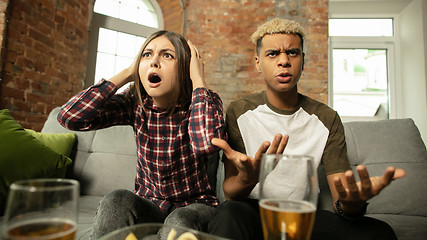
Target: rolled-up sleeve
[(94, 108), (206, 120)]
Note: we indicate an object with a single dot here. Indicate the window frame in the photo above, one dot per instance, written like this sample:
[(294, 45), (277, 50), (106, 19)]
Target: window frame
[(102, 21), (390, 43)]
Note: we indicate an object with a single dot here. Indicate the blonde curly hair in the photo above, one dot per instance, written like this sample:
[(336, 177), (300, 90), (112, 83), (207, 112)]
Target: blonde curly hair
[(277, 25)]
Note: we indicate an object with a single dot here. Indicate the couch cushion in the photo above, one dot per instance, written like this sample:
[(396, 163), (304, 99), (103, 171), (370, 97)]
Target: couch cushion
[(23, 157), (59, 142), (81, 149), (112, 149), (405, 227), (104, 160), (395, 142)]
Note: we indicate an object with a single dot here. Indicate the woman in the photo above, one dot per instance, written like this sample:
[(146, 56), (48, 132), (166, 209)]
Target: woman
[(174, 117)]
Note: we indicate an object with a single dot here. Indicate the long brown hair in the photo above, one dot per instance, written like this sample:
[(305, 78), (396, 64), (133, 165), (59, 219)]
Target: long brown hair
[(183, 57)]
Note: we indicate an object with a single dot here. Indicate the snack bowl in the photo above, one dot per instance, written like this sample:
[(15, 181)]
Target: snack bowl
[(158, 231)]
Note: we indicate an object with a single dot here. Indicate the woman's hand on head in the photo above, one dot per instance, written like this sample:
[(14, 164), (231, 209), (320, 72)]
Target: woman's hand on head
[(196, 67), (126, 75), (123, 77)]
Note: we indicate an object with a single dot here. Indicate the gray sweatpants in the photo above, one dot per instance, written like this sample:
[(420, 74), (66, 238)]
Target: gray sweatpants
[(122, 208)]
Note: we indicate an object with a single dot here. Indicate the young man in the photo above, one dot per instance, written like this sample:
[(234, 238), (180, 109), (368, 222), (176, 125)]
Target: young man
[(309, 128)]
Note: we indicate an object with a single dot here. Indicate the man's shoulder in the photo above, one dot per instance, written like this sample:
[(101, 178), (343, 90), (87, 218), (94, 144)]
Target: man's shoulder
[(314, 106), (246, 103), (328, 116), (254, 98)]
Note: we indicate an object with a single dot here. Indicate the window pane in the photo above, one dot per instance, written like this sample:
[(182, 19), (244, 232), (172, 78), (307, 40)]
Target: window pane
[(116, 51), (148, 18), (125, 45), (136, 11), (107, 41), (139, 42), (361, 27), (104, 66), (129, 13), (360, 82), (146, 5), (107, 7), (122, 63)]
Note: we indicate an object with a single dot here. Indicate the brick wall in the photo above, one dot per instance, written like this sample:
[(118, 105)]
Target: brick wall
[(44, 57), (45, 48), (221, 30), (3, 9), (173, 15)]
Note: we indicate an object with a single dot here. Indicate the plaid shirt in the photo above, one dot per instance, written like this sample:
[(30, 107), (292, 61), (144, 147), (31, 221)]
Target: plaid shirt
[(172, 150)]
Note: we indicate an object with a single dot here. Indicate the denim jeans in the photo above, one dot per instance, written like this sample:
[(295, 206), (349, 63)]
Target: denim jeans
[(122, 208)]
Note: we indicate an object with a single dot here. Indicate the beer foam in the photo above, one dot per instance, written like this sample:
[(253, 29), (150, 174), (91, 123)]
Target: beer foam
[(281, 205)]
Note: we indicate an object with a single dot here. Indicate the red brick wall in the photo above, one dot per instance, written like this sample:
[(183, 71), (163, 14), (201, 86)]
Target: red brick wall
[(221, 30), (44, 57), (173, 15), (3, 9), (45, 49)]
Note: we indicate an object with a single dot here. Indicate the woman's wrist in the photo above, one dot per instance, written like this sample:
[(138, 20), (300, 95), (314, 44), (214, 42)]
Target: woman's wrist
[(198, 83)]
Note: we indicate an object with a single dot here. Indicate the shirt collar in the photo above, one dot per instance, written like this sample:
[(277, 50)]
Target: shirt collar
[(149, 104)]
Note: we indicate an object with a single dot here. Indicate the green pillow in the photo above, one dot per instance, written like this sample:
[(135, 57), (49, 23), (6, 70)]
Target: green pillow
[(24, 157), (59, 142)]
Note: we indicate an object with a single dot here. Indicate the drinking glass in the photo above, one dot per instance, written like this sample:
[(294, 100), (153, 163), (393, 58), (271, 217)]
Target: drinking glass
[(42, 209), (288, 191)]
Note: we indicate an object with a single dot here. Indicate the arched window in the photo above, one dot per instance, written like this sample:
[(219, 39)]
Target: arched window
[(118, 29)]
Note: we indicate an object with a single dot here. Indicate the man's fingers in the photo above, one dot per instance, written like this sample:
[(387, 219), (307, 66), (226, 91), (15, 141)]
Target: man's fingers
[(385, 179), (388, 175), (237, 158), (262, 149), (223, 145), (352, 185), (398, 173), (279, 143), (365, 181), (339, 187), (275, 144), (283, 144)]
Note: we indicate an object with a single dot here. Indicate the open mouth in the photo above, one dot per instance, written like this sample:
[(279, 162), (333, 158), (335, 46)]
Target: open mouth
[(154, 78), (284, 77)]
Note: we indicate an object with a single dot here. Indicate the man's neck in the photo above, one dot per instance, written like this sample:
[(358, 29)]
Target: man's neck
[(283, 100)]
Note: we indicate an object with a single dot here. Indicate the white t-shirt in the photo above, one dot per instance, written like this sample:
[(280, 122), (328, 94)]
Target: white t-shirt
[(314, 129)]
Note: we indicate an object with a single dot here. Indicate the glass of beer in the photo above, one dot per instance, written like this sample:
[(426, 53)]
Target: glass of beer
[(288, 191), (42, 209)]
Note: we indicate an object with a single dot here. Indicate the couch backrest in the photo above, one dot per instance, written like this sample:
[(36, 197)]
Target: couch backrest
[(103, 160)]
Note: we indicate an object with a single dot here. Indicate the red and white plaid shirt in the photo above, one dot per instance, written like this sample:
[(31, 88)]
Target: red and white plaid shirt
[(172, 150)]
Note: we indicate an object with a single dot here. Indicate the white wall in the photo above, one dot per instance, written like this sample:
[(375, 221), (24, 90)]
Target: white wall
[(413, 65)]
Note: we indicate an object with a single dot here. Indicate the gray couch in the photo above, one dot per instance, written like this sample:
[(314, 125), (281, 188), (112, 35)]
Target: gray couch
[(105, 160)]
